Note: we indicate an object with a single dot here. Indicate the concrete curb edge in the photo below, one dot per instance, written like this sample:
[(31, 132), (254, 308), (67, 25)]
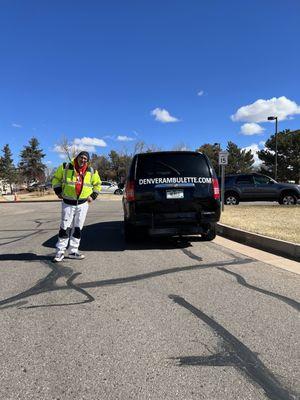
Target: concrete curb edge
[(275, 246)]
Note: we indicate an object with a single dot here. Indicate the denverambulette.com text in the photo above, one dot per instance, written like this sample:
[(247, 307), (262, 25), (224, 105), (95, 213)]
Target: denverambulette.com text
[(189, 179)]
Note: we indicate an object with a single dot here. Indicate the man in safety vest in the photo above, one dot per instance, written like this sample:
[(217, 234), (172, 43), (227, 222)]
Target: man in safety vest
[(77, 184)]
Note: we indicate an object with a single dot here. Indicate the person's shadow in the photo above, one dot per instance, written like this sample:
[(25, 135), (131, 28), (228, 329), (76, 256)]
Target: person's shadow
[(108, 236)]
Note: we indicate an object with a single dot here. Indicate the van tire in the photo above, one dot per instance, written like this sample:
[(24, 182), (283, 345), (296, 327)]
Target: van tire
[(210, 234)]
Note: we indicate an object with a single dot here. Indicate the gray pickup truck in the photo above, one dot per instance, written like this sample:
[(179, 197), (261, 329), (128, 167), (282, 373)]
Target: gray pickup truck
[(257, 187)]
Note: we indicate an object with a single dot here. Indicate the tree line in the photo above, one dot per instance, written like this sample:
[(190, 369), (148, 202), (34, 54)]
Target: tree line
[(115, 165), (241, 161)]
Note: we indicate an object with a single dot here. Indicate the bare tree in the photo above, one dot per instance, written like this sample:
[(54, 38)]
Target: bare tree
[(181, 147), (67, 148), (142, 147)]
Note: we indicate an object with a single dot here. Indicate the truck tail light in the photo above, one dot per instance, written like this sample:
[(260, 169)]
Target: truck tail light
[(129, 191), (216, 188)]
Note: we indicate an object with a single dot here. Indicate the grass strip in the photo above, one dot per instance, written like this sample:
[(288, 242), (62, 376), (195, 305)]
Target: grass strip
[(279, 222)]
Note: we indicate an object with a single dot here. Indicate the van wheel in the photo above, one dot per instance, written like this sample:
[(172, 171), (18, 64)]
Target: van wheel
[(210, 234), (231, 199), (118, 191), (288, 199), (129, 232)]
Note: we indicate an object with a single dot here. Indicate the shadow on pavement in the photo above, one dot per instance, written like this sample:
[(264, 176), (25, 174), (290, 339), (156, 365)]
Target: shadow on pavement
[(24, 257), (108, 236)]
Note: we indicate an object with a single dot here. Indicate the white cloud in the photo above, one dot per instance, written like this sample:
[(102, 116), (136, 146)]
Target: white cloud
[(262, 143), (251, 128), (75, 148), (87, 141), (84, 147), (87, 144), (260, 110), (254, 147), (57, 148), (200, 93), (16, 125), (81, 144), (121, 138), (163, 115)]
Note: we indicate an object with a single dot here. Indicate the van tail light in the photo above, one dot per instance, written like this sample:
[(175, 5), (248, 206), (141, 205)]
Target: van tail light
[(216, 188), (129, 191)]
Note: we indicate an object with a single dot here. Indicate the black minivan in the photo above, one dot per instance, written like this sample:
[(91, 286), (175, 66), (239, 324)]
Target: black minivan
[(171, 193)]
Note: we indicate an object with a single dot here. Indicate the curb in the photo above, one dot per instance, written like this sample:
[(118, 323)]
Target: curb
[(274, 246)]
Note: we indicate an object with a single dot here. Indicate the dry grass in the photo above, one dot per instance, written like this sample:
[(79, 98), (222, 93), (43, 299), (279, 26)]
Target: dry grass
[(280, 222)]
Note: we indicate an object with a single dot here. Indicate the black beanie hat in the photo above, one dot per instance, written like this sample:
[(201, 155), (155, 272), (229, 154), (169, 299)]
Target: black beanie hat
[(84, 153)]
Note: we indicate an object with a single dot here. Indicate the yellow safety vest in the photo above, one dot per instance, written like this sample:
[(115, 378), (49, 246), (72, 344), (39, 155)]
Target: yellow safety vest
[(65, 177)]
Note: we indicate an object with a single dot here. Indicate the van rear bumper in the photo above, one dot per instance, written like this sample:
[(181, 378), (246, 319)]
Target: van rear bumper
[(178, 220), (174, 231)]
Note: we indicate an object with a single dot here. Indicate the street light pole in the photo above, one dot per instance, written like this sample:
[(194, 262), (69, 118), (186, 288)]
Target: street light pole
[(272, 118)]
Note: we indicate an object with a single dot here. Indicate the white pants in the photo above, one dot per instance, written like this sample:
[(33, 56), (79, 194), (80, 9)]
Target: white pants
[(72, 218)]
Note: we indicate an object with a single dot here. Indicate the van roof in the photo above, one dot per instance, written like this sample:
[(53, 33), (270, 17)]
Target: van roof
[(170, 152)]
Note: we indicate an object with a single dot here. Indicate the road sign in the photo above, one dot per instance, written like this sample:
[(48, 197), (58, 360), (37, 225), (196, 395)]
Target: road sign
[(223, 157)]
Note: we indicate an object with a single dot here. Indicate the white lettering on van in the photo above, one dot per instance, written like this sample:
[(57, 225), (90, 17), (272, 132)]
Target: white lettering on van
[(174, 180)]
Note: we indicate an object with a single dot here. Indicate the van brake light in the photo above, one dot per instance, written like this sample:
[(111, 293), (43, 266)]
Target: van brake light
[(129, 191), (216, 188)]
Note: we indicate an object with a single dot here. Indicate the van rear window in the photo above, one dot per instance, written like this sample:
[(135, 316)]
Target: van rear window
[(166, 165)]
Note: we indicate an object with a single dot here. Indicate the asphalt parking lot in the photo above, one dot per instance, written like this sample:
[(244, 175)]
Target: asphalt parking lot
[(159, 319)]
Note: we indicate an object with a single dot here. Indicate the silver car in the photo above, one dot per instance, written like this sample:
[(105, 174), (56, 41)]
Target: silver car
[(110, 187)]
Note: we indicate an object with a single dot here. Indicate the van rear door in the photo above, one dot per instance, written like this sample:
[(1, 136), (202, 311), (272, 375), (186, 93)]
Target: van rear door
[(176, 181)]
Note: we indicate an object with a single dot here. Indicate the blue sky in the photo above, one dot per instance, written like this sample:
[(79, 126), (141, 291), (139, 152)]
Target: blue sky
[(164, 72)]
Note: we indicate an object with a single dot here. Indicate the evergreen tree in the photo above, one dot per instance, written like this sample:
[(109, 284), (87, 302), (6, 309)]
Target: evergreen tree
[(288, 156), (239, 161), (31, 166), (212, 152), (7, 169)]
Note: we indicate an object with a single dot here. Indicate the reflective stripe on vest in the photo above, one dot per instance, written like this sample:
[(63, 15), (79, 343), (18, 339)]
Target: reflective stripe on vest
[(70, 183)]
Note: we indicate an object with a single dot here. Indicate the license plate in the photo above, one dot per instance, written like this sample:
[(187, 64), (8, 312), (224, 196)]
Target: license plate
[(175, 194)]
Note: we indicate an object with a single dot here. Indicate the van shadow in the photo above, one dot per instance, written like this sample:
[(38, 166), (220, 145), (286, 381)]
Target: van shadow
[(108, 236)]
